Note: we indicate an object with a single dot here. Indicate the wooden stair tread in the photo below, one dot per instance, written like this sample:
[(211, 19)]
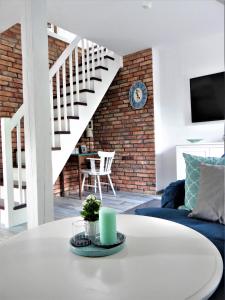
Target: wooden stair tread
[(74, 92), (96, 47), (56, 148), (68, 117), (16, 207), (15, 185), (81, 81), (90, 61), (96, 68), (53, 149), (69, 104), (15, 165), (62, 132)]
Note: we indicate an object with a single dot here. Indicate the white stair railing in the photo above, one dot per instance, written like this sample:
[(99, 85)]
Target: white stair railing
[(12, 179), (76, 64), (71, 73)]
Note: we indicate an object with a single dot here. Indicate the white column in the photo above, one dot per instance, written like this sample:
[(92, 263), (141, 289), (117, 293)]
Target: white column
[(37, 113)]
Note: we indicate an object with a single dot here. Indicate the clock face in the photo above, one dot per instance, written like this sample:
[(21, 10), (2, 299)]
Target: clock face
[(138, 95)]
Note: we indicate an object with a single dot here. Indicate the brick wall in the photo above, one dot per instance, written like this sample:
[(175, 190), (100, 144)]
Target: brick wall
[(117, 126), (11, 96)]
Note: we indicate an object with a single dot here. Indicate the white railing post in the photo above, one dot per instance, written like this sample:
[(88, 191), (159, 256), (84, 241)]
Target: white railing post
[(102, 55), (7, 170), (52, 113), (93, 60), (71, 82), (88, 65), (77, 75), (98, 54), (19, 161), (58, 100), (64, 97), (83, 63)]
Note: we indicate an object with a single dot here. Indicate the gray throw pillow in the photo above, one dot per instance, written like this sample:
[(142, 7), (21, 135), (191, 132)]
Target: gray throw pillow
[(210, 202)]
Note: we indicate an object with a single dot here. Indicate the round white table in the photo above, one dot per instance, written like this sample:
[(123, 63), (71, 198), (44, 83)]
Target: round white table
[(161, 260)]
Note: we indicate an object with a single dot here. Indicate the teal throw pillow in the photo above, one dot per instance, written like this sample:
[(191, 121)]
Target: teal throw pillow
[(193, 176)]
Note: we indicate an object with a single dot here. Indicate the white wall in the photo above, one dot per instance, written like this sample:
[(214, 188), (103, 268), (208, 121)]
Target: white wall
[(173, 66)]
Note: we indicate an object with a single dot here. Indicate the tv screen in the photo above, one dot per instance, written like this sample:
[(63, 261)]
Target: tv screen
[(207, 98)]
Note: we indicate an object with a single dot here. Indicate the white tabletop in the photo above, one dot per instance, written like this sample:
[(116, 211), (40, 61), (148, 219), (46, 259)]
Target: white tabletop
[(161, 260)]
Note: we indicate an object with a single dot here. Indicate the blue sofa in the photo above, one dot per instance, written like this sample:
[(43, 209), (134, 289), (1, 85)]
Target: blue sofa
[(172, 198)]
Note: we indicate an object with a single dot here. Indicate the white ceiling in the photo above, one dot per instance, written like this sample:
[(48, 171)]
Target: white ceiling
[(124, 26)]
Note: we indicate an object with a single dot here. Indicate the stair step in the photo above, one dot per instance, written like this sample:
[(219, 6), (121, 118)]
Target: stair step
[(90, 61), (68, 117), (16, 185), (16, 207), (15, 165), (81, 81), (81, 91), (56, 148), (96, 47), (107, 56), (96, 68), (90, 48), (53, 148), (69, 104), (19, 206), (100, 67), (62, 132)]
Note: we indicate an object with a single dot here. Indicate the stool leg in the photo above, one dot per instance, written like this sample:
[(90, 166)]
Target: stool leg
[(110, 181), (82, 186), (99, 187)]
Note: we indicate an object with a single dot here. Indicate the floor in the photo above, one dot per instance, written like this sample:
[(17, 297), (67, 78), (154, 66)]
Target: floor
[(72, 205), (65, 207)]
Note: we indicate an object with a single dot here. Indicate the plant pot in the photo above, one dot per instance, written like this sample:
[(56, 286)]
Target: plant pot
[(91, 229)]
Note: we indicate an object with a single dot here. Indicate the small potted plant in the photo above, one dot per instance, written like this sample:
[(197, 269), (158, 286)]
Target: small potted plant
[(90, 213)]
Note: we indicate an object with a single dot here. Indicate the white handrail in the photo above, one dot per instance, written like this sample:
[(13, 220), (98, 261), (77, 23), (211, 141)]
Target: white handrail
[(9, 176), (66, 53), (17, 117)]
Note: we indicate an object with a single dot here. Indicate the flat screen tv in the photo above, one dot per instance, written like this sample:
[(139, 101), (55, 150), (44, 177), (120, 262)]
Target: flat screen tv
[(207, 98)]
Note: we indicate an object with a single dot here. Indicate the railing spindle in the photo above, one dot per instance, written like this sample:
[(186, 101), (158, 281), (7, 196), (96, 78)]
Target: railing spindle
[(77, 75), (19, 161), (88, 65), (58, 100), (71, 83), (102, 55), (65, 97), (83, 64), (93, 60), (52, 113), (98, 54)]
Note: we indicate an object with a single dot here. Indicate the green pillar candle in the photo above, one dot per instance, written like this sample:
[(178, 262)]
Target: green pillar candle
[(107, 226)]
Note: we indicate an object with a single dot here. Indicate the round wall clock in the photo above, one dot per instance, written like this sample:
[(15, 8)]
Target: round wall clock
[(138, 95)]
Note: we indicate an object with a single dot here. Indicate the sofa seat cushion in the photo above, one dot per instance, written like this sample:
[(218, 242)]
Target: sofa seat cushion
[(214, 231)]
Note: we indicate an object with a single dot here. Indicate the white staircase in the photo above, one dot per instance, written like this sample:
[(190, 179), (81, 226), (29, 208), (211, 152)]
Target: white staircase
[(78, 81)]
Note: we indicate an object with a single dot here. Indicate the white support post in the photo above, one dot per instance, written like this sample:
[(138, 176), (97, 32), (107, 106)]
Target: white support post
[(7, 170), (37, 113)]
